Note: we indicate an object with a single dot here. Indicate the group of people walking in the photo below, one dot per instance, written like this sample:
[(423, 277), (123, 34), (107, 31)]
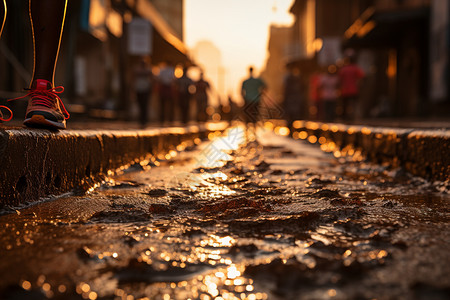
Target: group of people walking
[(175, 94), (333, 94), (338, 91)]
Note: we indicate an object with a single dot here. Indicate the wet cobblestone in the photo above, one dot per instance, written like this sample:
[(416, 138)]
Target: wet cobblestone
[(243, 216)]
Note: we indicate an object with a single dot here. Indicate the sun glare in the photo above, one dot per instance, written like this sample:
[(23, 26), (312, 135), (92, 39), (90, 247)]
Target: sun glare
[(239, 29)]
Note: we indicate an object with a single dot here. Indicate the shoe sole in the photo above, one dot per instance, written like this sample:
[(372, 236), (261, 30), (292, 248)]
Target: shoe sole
[(41, 121)]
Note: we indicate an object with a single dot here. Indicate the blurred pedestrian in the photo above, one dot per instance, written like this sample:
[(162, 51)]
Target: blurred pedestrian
[(201, 96), (329, 93), (143, 80), (45, 108), (234, 108), (293, 95), (350, 76), (185, 89), (251, 90), (226, 109), (166, 80), (315, 103)]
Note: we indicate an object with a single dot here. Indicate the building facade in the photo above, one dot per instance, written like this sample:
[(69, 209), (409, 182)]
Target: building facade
[(408, 44), (403, 47), (102, 41)]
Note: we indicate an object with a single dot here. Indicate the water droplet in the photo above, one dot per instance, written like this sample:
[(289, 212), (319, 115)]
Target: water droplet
[(26, 285)]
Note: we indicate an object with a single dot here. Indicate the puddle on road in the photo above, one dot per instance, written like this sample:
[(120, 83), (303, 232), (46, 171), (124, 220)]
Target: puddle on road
[(235, 219)]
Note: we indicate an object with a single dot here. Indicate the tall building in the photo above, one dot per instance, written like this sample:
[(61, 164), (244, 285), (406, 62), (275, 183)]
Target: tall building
[(319, 26), (172, 12), (275, 68)]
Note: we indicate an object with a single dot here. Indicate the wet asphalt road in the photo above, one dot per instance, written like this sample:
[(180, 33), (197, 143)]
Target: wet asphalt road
[(242, 216)]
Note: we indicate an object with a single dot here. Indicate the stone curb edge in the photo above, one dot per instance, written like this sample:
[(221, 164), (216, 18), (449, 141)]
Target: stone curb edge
[(39, 163), (424, 153)]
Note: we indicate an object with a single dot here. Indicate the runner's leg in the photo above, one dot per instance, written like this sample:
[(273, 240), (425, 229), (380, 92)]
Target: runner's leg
[(2, 15), (47, 20)]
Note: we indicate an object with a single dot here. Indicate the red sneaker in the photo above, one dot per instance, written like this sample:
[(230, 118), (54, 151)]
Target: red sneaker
[(45, 108)]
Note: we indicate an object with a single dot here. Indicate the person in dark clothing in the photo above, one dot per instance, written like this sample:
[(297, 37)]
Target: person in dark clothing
[(201, 95), (166, 80), (143, 84), (251, 90), (185, 88)]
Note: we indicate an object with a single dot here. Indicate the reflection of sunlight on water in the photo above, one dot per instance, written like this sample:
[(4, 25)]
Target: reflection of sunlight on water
[(213, 191), (322, 235), (233, 138), (329, 235), (201, 184), (216, 241), (227, 283), (232, 272), (85, 291), (218, 176), (209, 270), (215, 153), (283, 131)]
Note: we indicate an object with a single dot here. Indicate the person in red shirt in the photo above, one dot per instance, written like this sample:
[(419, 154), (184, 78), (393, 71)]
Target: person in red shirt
[(350, 76), (315, 110)]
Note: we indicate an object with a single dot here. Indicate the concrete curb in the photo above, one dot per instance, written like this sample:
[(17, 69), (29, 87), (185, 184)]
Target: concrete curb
[(38, 163), (425, 153)]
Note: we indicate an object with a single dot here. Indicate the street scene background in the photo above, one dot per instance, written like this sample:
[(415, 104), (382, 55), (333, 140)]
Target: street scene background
[(273, 149), (402, 48)]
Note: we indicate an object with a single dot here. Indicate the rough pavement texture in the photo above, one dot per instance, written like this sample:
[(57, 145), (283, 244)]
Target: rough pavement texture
[(37, 163), (271, 219), (423, 152)]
